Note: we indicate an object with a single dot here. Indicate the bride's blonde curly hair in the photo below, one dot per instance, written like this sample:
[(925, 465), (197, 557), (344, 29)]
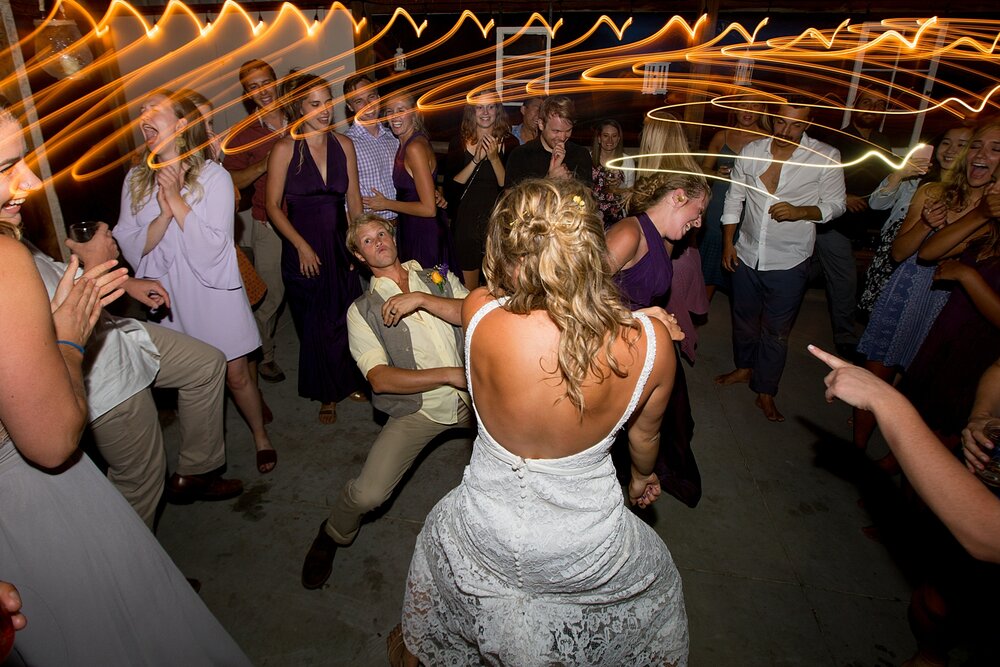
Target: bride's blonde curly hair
[(545, 250)]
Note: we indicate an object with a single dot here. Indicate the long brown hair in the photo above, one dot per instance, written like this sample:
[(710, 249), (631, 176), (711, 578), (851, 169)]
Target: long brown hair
[(499, 130)]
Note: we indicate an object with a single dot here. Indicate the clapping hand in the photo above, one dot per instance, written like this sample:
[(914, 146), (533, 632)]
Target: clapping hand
[(491, 147), (76, 304)]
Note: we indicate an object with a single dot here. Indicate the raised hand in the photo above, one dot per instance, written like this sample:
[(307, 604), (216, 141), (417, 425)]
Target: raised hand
[(491, 147)]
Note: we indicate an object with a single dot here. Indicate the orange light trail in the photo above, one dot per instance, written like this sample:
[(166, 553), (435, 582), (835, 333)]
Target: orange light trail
[(816, 59)]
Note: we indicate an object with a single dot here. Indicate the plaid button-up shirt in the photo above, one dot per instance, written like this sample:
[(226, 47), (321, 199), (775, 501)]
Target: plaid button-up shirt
[(375, 160)]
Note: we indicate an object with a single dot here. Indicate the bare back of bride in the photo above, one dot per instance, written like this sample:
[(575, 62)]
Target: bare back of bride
[(535, 559)]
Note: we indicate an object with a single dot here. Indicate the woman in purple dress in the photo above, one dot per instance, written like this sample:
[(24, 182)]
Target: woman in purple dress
[(420, 233), (312, 171), (176, 226), (668, 206)]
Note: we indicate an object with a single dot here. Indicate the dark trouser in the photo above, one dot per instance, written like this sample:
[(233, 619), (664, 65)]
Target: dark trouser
[(841, 274), (765, 304)]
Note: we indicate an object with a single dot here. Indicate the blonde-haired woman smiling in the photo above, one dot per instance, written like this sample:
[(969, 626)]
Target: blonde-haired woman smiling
[(176, 226)]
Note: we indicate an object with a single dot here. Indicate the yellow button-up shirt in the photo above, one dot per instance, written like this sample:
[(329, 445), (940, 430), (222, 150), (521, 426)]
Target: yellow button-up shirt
[(433, 343)]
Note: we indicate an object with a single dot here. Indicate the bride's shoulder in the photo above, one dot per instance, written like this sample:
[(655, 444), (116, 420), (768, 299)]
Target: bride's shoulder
[(476, 299)]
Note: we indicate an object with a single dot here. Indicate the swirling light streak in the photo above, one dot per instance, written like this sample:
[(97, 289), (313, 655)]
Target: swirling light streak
[(813, 53)]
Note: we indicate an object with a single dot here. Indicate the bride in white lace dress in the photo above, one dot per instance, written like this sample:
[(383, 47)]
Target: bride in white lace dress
[(535, 559)]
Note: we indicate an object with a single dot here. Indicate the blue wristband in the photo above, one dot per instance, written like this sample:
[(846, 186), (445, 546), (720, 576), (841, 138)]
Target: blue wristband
[(75, 346)]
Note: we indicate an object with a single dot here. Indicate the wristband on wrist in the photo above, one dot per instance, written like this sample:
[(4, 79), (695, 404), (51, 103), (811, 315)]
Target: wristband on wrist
[(76, 346)]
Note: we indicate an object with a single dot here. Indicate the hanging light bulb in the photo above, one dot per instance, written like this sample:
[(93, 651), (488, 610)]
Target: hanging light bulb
[(61, 37)]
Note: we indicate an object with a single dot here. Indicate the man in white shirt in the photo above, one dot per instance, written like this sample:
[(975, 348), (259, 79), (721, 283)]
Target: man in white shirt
[(124, 359), (406, 336), (783, 186)]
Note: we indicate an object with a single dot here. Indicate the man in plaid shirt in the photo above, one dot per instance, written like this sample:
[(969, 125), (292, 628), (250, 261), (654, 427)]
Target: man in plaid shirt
[(374, 144)]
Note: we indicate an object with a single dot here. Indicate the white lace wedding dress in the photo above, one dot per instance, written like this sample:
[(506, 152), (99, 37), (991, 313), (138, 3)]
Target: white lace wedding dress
[(539, 562)]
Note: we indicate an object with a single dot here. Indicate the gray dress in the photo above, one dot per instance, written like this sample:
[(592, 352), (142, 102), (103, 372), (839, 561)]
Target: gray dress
[(96, 587)]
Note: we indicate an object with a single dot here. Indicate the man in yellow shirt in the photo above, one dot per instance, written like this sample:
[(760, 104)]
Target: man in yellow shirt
[(405, 335)]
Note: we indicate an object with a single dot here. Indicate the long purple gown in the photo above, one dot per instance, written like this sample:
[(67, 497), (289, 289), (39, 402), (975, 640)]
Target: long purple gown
[(327, 373), (197, 265), (423, 239), (643, 285)]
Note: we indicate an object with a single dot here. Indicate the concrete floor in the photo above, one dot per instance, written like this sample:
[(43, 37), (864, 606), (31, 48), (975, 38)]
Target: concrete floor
[(775, 567)]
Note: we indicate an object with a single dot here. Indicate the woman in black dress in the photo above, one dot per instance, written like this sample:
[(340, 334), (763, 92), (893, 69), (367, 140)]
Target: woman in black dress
[(475, 177)]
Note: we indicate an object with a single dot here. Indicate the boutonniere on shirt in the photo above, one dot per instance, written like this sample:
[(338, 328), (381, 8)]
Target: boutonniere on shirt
[(438, 275)]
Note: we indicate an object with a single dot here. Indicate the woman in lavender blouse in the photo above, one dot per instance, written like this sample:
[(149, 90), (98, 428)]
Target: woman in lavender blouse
[(176, 226)]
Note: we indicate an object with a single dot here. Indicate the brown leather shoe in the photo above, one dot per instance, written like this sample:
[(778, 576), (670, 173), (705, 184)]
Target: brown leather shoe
[(270, 371), (318, 564), (186, 489)]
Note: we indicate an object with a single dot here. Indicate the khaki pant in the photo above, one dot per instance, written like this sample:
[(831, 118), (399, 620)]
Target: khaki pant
[(129, 437), (397, 445), (266, 246)]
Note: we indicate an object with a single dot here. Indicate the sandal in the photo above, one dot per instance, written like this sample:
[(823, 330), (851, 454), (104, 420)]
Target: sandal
[(328, 413), (267, 459)]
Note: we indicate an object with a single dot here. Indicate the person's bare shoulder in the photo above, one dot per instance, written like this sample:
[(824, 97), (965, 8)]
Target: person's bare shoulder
[(476, 299)]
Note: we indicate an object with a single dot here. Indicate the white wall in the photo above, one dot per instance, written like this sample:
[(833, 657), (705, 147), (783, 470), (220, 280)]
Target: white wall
[(178, 56)]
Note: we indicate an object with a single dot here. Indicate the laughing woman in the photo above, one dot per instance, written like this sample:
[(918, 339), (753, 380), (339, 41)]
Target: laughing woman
[(176, 226), (420, 233), (310, 173)]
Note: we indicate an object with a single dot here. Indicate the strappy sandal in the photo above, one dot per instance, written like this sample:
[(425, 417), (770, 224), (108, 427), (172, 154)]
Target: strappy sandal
[(328, 414)]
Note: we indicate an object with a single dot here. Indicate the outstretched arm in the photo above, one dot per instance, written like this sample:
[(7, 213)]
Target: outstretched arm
[(960, 500)]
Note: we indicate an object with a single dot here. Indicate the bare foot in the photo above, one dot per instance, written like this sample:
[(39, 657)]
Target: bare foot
[(735, 377), (766, 403), (328, 413)]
